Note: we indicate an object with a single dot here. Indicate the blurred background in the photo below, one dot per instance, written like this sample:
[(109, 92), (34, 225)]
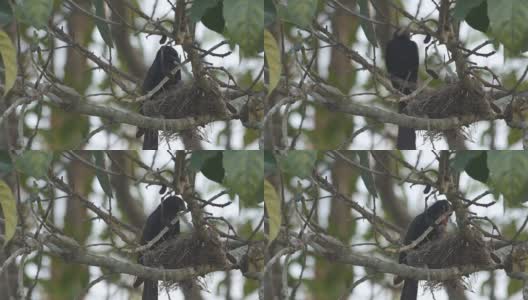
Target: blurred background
[(69, 49), (320, 50), (83, 190), (100, 199), (341, 210)]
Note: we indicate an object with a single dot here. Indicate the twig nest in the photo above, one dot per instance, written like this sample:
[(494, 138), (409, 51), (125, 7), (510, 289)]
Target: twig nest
[(451, 250), (451, 100), (186, 99), (187, 250)]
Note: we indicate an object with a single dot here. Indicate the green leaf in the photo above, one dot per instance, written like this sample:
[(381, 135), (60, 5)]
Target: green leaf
[(214, 18), (366, 176), (244, 174), (301, 12), (271, 49), (102, 26), (6, 165), (270, 12), (514, 136), (102, 176), (6, 14), (34, 163), (508, 23), (478, 17), (245, 23), (273, 208), (368, 27), (477, 168), (198, 158), (508, 174), (8, 204), (462, 8), (462, 158), (200, 7), (250, 286), (7, 50), (270, 165), (34, 12), (250, 136), (212, 167), (514, 286), (298, 163)]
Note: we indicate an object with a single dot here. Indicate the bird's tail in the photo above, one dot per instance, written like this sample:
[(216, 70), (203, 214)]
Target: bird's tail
[(150, 140), (409, 290), (150, 290), (406, 136), (406, 139)]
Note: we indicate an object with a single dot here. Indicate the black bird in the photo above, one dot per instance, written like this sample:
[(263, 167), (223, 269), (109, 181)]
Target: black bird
[(166, 59), (416, 228), (401, 58), (159, 219)]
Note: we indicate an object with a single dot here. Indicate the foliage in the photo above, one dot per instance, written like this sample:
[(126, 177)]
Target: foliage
[(8, 205), (333, 55), (273, 209), (107, 71), (82, 215), (502, 171), (7, 50), (34, 163)]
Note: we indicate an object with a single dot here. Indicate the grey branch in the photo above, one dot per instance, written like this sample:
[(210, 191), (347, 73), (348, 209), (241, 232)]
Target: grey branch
[(339, 253), (335, 100), (71, 101)]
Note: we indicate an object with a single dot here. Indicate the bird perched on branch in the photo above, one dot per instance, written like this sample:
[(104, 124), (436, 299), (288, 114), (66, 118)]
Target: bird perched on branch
[(417, 227), (166, 60), (160, 218), (401, 58)]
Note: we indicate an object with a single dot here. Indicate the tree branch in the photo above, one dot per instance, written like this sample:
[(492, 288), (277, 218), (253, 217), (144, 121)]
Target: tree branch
[(73, 102), (337, 252)]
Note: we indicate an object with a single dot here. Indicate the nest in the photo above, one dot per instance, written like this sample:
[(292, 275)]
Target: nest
[(186, 250), (451, 250), (184, 100), (452, 100)]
